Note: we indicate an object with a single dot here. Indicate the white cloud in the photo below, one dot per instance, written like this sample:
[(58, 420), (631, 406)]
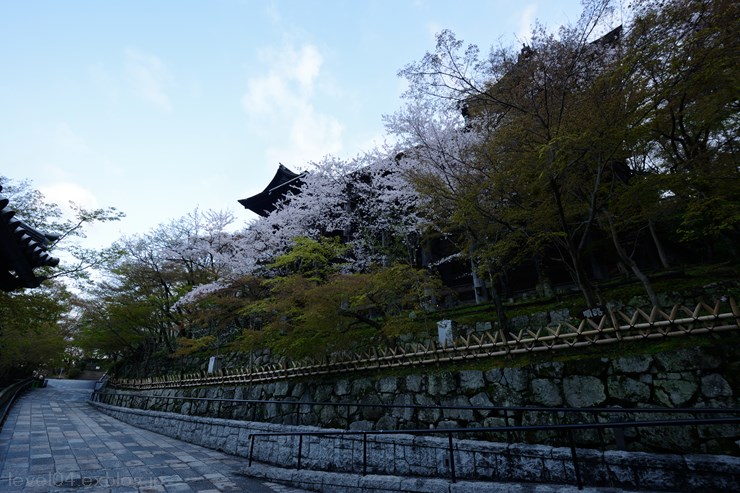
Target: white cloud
[(526, 21), (63, 193), (281, 106), (148, 75)]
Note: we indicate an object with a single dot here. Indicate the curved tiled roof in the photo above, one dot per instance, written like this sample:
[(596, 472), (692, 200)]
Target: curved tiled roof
[(22, 249), (284, 182)]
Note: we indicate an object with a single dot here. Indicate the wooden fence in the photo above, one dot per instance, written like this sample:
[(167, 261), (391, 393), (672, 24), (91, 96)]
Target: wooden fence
[(612, 327)]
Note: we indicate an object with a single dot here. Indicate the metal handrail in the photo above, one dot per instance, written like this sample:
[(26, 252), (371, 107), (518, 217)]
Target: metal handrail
[(7, 402), (507, 411), (567, 428)]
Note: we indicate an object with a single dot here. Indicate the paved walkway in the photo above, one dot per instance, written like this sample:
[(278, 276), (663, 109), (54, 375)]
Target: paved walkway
[(54, 442)]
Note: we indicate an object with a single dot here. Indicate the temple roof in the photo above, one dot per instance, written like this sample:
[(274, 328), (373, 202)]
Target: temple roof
[(22, 249), (284, 182)]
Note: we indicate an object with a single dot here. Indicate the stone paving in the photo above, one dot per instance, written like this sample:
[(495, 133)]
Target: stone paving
[(53, 441)]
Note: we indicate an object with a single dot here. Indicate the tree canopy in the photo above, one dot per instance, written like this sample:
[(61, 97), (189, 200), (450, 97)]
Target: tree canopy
[(593, 151)]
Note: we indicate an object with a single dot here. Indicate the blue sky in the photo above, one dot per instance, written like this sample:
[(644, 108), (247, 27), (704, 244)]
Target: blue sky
[(159, 107)]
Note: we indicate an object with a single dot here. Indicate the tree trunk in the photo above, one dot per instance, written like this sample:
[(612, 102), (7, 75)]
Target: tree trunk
[(584, 283), (633, 265), (479, 286), (503, 322), (574, 251), (658, 245)]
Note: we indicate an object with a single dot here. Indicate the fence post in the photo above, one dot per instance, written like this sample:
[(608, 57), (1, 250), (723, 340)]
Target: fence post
[(506, 422), (452, 458), (251, 448), (364, 454), (576, 469), (619, 438), (599, 430), (300, 448)]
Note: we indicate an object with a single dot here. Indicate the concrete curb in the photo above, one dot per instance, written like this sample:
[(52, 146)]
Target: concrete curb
[(351, 483)]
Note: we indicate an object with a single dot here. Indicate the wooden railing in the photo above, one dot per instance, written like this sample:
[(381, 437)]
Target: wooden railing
[(612, 327)]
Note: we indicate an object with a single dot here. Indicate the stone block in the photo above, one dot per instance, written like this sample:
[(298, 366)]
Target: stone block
[(427, 414), (363, 425), (402, 410), (414, 383), (298, 390), (471, 381), (441, 384), (632, 364), (387, 423), (494, 375), (628, 389), (341, 387), (323, 393), (546, 392), (516, 378), (481, 400), (559, 316), (387, 385), (458, 414), (583, 391), (281, 389), (368, 410), (714, 386), (361, 386), (674, 392)]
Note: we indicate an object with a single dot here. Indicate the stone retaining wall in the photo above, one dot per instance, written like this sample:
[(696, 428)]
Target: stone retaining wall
[(687, 378), (427, 457)]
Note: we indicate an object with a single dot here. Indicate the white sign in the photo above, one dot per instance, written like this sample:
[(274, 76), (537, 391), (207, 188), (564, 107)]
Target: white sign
[(444, 330), (214, 364)]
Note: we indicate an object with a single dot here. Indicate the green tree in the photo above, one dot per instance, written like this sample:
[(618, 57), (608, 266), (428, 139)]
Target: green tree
[(686, 53), (37, 326), (34, 330), (313, 309)]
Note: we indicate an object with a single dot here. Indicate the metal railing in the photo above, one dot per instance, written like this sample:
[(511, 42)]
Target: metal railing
[(8, 396), (567, 429), (617, 419)]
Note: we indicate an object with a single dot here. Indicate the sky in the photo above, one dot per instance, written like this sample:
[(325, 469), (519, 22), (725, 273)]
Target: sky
[(161, 107)]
